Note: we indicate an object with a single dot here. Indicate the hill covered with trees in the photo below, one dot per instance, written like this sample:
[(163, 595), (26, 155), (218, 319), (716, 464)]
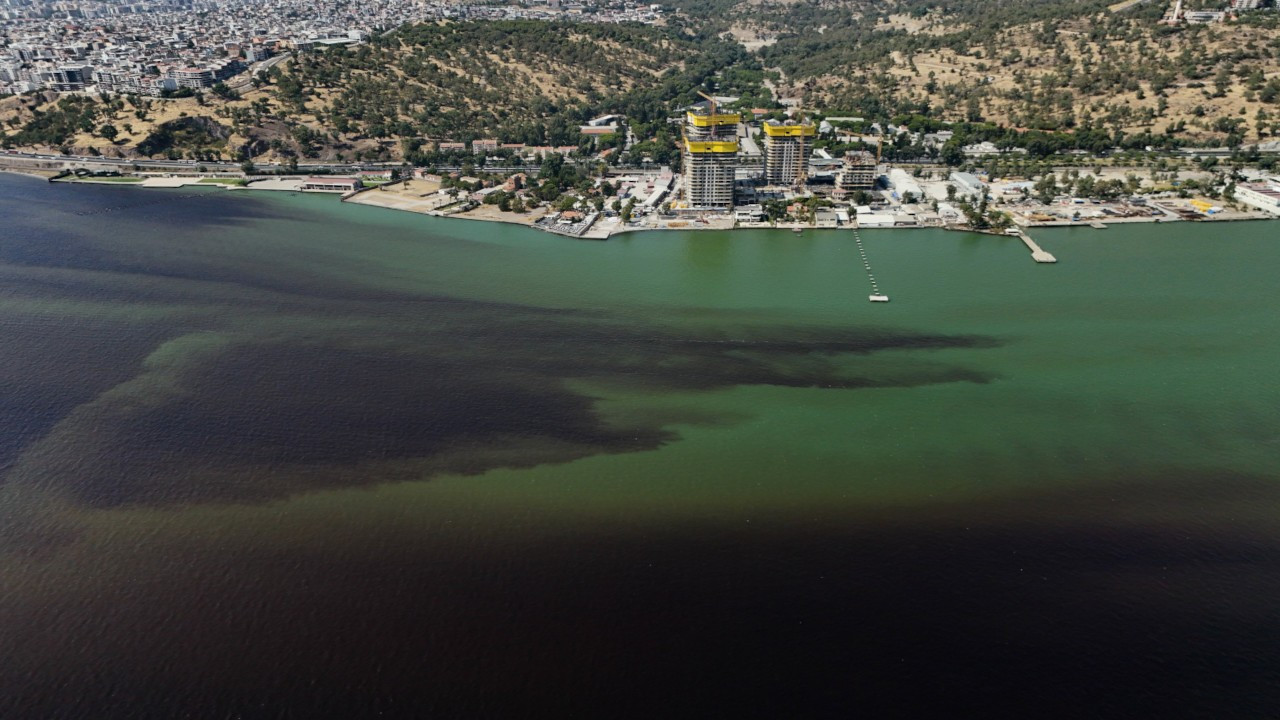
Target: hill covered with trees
[(1056, 65), (1068, 74), (516, 81)]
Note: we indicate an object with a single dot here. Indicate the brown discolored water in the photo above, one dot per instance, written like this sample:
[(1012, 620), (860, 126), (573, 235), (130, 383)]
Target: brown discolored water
[(280, 457)]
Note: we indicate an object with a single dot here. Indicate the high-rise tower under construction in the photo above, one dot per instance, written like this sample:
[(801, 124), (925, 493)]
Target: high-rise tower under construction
[(786, 152), (710, 158)]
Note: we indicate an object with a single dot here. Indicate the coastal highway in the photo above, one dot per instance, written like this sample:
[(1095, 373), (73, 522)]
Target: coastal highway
[(18, 160), (49, 161), (37, 161), (14, 158)]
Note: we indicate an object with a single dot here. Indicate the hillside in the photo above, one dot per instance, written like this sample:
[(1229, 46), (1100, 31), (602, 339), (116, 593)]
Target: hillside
[(518, 81), (1042, 64), (1058, 66)]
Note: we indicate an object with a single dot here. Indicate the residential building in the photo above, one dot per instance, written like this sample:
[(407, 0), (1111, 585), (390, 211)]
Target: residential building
[(71, 77), (859, 172), (786, 151), (194, 78), (710, 157), (749, 213), (1201, 17)]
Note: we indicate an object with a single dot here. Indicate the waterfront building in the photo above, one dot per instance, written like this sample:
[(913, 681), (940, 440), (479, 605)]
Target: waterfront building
[(331, 184), (1262, 196), (786, 151), (710, 158), (749, 213)]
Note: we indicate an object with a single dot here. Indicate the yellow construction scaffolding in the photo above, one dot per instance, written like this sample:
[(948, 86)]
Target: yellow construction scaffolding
[(711, 146), (798, 130)]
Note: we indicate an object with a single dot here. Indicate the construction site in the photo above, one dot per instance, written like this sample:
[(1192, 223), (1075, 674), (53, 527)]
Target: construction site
[(733, 165)]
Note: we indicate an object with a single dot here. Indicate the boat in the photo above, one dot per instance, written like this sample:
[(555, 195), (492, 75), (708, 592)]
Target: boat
[(878, 298), (796, 230)]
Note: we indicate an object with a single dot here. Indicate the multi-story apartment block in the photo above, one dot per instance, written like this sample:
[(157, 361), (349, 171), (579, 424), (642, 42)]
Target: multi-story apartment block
[(858, 172), (191, 77), (786, 151), (710, 157)]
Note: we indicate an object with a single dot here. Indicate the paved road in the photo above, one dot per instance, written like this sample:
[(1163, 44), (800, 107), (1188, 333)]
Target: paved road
[(76, 161), (241, 81)]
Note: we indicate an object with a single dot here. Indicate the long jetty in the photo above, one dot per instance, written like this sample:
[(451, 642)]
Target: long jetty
[(876, 295), (1037, 253)]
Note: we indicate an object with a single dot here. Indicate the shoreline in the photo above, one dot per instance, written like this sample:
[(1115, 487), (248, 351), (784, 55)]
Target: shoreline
[(792, 226), (32, 173), (170, 183)]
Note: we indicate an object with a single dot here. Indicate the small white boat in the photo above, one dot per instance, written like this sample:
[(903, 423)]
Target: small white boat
[(796, 230), (878, 298)]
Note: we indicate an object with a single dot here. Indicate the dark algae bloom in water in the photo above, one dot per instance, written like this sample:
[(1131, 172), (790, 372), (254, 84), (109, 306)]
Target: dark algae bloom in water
[(284, 458)]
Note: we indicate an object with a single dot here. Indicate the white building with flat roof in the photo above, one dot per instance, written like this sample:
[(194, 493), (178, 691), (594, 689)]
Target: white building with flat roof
[(902, 184), (968, 184), (1264, 196), (331, 184)]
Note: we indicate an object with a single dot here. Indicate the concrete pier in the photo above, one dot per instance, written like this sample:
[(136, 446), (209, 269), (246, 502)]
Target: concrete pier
[(1037, 253)]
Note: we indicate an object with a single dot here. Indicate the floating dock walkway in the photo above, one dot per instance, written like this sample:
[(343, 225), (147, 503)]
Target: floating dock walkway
[(1037, 253), (876, 295)]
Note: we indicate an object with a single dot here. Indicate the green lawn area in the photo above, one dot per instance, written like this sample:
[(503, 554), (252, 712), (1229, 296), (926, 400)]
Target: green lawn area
[(106, 179), (222, 181)]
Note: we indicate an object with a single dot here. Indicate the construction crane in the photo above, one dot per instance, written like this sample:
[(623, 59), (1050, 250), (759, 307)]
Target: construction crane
[(713, 104), (802, 162)]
